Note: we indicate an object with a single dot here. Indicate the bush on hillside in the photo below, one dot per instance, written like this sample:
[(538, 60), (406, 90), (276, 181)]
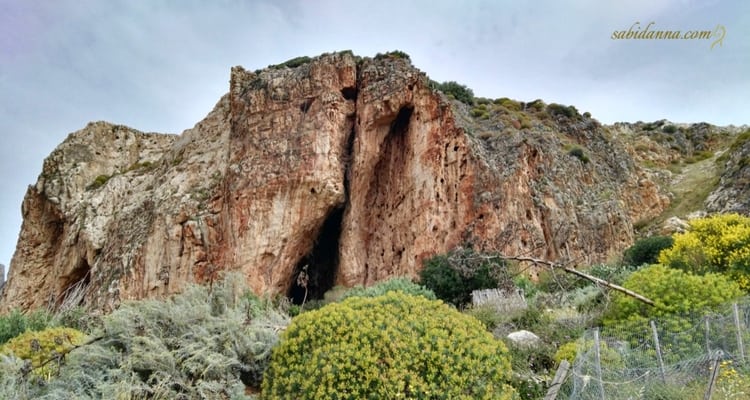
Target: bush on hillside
[(203, 343), (555, 109), (399, 284), (578, 153), (569, 351), (292, 63), (674, 293), (719, 243), (16, 323), (680, 298), (458, 91), (646, 251), (393, 54), (452, 277), (387, 347), (45, 349)]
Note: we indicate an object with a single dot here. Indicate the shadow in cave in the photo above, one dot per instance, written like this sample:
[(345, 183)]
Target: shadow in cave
[(74, 285), (320, 265)]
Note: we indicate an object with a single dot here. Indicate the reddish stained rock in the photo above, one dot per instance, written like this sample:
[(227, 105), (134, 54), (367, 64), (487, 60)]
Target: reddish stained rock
[(355, 168)]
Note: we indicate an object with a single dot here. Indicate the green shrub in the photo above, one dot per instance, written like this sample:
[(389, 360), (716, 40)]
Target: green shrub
[(536, 359), (669, 129), (387, 347), (488, 315), (44, 348), (203, 343), (554, 280), (720, 243), (393, 54), (16, 323), (78, 318), (561, 110), (537, 105), (482, 101), (454, 276), (610, 273), (699, 156), (674, 293), (509, 104), (646, 251), (98, 182), (530, 387), (530, 289), (15, 381), (578, 153), (458, 91), (569, 351), (399, 284), (479, 113), (544, 324), (293, 63)]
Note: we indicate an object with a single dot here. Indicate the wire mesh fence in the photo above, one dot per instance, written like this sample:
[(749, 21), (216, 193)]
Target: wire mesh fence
[(679, 357)]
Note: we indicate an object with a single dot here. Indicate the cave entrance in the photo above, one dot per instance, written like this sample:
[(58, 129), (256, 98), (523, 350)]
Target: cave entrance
[(317, 270), (74, 285)]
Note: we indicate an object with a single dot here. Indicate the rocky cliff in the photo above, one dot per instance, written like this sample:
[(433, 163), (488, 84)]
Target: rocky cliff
[(733, 192), (353, 169)]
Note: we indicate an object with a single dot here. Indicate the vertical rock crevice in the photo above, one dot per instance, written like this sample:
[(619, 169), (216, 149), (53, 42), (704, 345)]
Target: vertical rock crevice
[(316, 272)]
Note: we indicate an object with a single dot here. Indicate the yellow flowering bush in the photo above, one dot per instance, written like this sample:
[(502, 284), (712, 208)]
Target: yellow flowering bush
[(42, 347), (393, 346), (678, 296), (569, 351), (674, 293), (719, 243)]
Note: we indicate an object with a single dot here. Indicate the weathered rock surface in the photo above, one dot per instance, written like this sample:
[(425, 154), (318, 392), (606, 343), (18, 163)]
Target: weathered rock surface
[(524, 338), (733, 193), (356, 169)]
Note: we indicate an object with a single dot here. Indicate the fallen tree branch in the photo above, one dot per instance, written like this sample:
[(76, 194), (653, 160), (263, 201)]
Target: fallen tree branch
[(574, 271)]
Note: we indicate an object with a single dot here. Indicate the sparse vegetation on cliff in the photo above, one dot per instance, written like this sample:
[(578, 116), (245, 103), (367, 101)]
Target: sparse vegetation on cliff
[(293, 63), (456, 90), (578, 153), (398, 54), (555, 109), (98, 182)]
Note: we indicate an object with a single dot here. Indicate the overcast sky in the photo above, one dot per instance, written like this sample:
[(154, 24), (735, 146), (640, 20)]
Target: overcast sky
[(160, 66)]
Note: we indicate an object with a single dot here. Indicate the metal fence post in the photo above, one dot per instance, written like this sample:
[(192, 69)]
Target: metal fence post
[(598, 355), (658, 351), (736, 312)]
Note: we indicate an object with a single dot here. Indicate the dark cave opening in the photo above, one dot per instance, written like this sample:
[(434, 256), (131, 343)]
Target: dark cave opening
[(349, 93), (401, 124), (74, 285), (320, 265)]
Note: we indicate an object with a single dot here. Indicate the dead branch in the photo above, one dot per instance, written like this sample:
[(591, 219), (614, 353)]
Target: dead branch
[(598, 281)]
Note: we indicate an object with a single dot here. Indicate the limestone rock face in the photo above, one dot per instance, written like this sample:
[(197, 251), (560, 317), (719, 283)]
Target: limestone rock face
[(524, 338), (733, 193), (352, 170)]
